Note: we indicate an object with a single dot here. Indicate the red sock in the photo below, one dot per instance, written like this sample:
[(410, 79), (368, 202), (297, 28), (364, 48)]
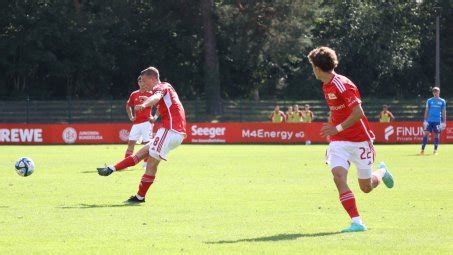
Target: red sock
[(127, 162), (128, 153), (348, 201), (146, 181)]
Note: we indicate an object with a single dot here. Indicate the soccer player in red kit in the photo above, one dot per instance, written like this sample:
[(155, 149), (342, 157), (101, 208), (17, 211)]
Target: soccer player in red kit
[(167, 138), (351, 139), (142, 120)]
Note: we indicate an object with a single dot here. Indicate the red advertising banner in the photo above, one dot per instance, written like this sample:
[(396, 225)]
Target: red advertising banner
[(407, 132), (243, 133), (63, 133)]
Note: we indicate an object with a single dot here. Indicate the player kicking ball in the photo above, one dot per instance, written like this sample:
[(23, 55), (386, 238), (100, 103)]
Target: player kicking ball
[(167, 138), (435, 119), (351, 139)]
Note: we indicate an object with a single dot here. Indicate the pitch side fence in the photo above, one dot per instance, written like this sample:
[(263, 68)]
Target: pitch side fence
[(113, 111)]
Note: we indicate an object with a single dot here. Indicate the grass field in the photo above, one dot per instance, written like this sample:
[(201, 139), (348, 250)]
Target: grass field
[(221, 200)]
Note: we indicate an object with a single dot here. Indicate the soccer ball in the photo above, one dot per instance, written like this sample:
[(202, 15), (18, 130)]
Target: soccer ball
[(25, 166)]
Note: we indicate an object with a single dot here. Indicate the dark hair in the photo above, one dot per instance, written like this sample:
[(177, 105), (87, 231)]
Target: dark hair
[(324, 58), (150, 71)]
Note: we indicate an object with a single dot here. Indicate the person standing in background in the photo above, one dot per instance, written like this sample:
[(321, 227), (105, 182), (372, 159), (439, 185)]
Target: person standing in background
[(385, 116), (290, 115), (142, 120), (277, 116), (307, 115), (435, 119), (297, 117)]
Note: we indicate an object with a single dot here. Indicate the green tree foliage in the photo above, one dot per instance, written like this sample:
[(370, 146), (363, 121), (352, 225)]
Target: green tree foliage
[(387, 47), (55, 49), (262, 45)]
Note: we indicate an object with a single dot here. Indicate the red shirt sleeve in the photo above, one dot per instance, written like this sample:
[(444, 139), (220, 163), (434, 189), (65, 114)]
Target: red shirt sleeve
[(159, 90), (350, 96)]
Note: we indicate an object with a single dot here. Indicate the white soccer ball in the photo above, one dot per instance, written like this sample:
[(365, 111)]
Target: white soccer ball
[(25, 166)]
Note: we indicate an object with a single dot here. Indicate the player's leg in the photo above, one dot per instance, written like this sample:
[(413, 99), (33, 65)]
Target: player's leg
[(130, 148), (436, 138), (134, 135), (425, 138), (337, 157), (153, 155), (367, 184), (159, 147), (146, 134), (364, 159), (347, 199), (125, 163), (146, 181)]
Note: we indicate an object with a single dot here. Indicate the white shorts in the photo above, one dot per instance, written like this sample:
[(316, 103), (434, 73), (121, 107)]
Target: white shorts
[(142, 130), (342, 153), (163, 142)]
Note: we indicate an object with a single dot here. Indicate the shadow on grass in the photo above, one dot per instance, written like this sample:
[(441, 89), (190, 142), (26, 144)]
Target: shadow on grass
[(95, 171), (275, 238), (3, 206), (89, 206)]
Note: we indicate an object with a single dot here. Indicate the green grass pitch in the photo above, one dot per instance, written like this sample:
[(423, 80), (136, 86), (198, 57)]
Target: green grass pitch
[(221, 199)]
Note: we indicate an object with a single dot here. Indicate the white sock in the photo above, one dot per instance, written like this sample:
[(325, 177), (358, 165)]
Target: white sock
[(139, 197), (357, 220), (113, 168)]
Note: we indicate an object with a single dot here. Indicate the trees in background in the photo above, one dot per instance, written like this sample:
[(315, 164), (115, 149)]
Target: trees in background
[(387, 48), (53, 49), (211, 75)]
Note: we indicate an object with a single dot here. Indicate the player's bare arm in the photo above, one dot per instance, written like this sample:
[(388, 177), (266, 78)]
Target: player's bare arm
[(129, 113), (153, 118), (149, 102), (425, 117), (443, 125), (356, 114)]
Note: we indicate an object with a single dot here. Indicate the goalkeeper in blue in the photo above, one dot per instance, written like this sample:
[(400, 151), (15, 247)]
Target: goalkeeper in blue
[(435, 119)]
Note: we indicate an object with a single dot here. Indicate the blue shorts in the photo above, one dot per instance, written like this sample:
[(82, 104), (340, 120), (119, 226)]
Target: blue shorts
[(433, 127)]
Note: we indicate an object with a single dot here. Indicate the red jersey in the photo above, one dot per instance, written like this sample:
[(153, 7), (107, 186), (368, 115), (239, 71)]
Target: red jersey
[(134, 99), (170, 108), (342, 95)]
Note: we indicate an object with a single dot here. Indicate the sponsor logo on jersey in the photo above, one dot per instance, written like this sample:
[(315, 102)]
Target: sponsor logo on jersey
[(336, 108), (332, 96)]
